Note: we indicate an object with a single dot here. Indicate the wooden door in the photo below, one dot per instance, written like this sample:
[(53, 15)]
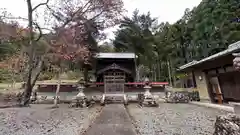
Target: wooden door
[(114, 83), (230, 85)]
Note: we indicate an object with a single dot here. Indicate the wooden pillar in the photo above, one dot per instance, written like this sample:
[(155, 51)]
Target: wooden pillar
[(218, 94)]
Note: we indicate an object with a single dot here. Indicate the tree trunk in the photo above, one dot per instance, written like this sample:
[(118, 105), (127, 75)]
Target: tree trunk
[(58, 89), (30, 84), (136, 68), (85, 74), (27, 94), (13, 80), (155, 72), (159, 71), (173, 74), (169, 73), (137, 74), (37, 72), (28, 88)]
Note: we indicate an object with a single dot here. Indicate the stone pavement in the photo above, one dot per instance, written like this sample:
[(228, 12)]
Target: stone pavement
[(227, 108), (113, 120)]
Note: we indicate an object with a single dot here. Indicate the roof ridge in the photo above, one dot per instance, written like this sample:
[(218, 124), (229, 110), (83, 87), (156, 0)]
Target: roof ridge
[(234, 45), (231, 49)]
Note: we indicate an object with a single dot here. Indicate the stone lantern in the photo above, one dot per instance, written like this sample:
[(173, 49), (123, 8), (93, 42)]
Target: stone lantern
[(147, 88), (147, 93), (148, 97), (80, 94), (80, 99)]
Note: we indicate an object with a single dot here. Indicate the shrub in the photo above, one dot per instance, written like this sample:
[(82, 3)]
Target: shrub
[(46, 76), (74, 75), (6, 76)]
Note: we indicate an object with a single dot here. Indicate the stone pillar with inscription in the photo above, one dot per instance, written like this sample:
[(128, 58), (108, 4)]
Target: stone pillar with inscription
[(236, 61), (236, 65)]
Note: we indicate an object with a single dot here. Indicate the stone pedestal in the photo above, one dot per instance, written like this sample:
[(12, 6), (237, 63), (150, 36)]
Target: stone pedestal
[(80, 94), (147, 93), (80, 99), (148, 99), (227, 125)]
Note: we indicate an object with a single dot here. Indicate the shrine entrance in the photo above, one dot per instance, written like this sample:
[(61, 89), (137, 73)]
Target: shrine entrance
[(114, 83), (114, 70)]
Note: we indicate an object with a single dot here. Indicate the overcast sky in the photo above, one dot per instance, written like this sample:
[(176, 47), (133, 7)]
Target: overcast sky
[(164, 10)]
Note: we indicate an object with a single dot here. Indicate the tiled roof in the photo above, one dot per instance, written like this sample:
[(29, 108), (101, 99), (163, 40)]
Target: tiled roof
[(231, 49), (113, 66), (188, 64), (116, 55)]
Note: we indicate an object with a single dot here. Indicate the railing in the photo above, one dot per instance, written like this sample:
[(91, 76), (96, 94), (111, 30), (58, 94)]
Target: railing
[(135, 83)]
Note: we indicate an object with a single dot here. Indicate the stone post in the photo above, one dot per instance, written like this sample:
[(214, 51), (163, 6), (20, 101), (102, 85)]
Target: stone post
[(33, 95), (236, 65), (236, 61)]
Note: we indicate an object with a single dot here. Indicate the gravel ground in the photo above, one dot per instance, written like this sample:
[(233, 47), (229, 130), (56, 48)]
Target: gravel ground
[(42, 119), (174, 119)]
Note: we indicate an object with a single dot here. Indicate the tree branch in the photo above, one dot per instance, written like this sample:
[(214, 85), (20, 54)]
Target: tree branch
[(34, 23), (41, 4), (40, 32), (68, 20)]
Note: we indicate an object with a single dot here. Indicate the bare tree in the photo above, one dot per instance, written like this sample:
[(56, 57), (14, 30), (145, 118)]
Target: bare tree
[(33, 60), (64, 51), (82, 18), (76, 22)]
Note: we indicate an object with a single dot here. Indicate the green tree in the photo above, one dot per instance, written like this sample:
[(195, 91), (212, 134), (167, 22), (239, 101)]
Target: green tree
[(136, 35)]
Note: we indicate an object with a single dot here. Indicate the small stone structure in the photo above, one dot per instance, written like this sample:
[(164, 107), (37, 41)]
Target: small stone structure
[(194, 96), (177, 97), (236, 61), (147, 99), (81, 100), (227, 125), (33, 97)]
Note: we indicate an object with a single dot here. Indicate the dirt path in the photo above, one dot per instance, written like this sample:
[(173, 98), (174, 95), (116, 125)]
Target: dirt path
[(113, 120)]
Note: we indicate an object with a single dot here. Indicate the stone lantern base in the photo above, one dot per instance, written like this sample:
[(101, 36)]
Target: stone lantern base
[(80, 100), (147, 98)]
